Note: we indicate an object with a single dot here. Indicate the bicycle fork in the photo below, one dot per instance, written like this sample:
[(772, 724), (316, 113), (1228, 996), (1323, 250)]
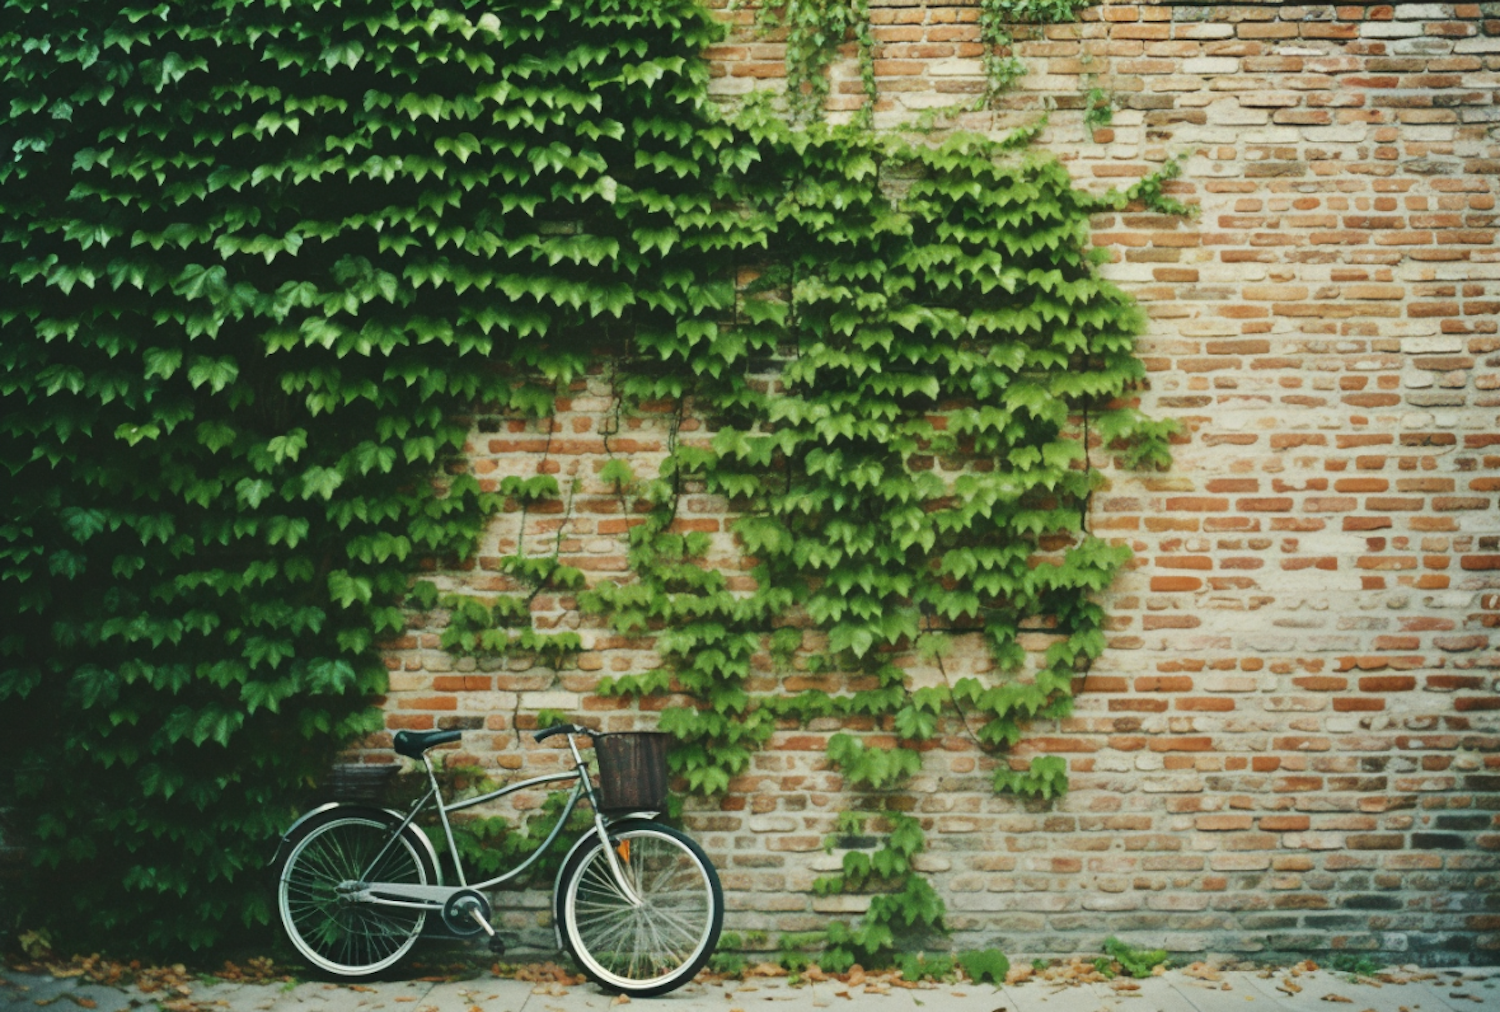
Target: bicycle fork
[(611, 856)]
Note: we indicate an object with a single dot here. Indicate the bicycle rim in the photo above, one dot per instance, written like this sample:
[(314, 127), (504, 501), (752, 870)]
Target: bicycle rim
[(654, 947), (335, 934)]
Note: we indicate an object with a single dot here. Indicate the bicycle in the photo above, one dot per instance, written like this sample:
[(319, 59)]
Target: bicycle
[(636, 903)]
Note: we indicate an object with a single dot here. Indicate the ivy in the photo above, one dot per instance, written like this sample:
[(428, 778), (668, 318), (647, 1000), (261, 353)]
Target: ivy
[(260, 267), (259, 263), (814, 30), (985, 965), (1135, 962), (997, 18), (945, 364), (1046, 777)]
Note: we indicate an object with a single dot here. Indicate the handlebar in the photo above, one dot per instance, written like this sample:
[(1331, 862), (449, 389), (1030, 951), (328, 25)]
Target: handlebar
[(541, 736)]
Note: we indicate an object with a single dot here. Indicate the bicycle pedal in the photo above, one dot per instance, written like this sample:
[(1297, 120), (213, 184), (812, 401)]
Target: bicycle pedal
[(497, 945)]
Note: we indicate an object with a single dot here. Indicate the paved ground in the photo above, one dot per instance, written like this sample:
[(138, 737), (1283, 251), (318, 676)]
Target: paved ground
[(1468, 990)]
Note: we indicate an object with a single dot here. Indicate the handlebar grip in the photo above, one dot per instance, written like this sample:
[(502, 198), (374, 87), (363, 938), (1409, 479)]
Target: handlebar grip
[(541, 736)]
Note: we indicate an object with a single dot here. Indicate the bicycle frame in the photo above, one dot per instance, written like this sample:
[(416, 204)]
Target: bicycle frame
[(433, 897)]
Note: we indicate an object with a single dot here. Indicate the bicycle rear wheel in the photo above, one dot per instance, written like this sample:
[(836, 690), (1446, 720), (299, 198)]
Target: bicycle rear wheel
[(655, 947), (332, 931)]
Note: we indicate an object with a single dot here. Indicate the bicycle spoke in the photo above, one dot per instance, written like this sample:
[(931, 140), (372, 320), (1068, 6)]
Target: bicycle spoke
[(653, 945), (339, 932)]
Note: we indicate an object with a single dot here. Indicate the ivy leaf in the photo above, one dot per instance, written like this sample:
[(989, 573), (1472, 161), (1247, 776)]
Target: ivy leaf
[(321, 481), (985, 965), (347, 589), (216, 374)]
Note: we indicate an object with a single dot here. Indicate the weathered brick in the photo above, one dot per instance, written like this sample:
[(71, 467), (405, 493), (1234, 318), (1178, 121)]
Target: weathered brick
[(1300, 641)]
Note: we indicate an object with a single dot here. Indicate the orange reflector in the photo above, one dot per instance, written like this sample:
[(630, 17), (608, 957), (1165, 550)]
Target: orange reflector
[(623, 850)]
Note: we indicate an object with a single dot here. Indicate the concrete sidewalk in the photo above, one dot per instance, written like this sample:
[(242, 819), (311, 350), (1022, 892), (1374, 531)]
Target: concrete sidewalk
[(1467, 990)]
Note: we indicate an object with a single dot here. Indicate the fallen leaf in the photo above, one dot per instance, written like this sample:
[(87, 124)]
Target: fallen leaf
[(1289, 987), (1337, 997), (766, 970)]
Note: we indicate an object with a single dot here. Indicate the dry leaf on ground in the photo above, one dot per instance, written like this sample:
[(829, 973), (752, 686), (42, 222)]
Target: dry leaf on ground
[(766, 970)]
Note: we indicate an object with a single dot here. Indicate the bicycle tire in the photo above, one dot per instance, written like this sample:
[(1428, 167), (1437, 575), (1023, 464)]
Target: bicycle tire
[(336, 936), (652, 949)]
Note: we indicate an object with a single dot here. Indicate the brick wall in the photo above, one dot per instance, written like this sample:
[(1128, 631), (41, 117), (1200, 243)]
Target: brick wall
[(1293, 742)]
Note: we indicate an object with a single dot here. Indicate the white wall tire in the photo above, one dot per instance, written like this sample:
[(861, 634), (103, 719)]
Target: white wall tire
[(336, 936), (659, 946)]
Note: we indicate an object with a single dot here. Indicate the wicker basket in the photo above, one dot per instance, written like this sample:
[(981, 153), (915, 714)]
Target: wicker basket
[(632, 771), (357, 783)]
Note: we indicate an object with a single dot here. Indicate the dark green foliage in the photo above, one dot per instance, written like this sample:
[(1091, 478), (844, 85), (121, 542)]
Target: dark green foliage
[(1356, 964), (257, 260)]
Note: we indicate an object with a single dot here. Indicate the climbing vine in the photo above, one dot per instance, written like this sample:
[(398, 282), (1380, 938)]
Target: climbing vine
[(814, 30), (258, 263), (261, 263), (918, 468), (997, 21)]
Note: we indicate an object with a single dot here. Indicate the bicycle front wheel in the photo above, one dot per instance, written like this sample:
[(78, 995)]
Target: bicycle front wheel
[(332, 929), (659, 945)]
